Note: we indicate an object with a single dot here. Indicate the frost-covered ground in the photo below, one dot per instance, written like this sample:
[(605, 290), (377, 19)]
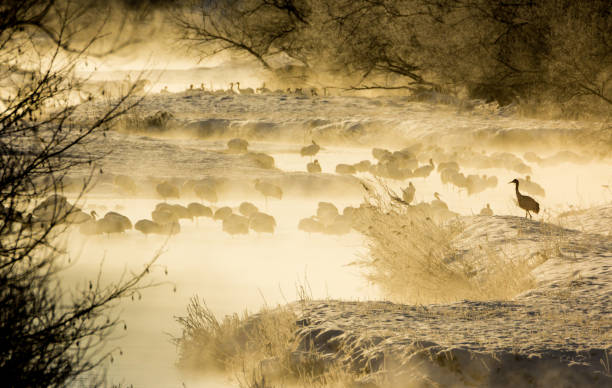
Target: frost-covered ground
[(232, 273), (558, 333), (394, 121)]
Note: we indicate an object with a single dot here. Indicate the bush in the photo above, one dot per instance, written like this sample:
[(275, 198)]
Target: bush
[(235, 342), (413, 258), (50, 335)]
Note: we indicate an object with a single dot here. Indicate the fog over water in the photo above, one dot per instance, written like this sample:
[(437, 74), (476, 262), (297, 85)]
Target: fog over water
[(246, 272), (432, 180)]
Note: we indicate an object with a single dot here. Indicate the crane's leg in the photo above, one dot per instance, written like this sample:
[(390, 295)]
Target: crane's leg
[(530, 217)]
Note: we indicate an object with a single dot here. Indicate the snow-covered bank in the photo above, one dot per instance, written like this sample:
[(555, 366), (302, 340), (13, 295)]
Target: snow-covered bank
[(559, 333), (393, 121), (227, 271)]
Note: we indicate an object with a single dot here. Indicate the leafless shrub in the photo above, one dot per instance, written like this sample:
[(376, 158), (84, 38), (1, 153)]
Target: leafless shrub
[(50, 334), (258, 28)]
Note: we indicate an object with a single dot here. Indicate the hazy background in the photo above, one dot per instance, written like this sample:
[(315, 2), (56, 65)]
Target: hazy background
[(479, 82)]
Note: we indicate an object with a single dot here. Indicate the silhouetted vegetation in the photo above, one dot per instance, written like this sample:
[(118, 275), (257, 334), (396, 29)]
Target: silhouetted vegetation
[(532, 53), (261, 28), (414, 256), (50, 334)]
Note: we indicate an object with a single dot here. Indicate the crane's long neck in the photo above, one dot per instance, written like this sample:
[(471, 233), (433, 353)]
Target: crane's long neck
[(518, 194)]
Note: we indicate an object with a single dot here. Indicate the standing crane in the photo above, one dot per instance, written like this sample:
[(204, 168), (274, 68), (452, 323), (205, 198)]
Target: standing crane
[(268, 190), (310, 150), (525, 202)]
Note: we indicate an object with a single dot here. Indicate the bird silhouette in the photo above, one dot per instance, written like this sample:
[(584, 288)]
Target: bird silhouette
[(408, 193), (55, 207), (244, 91), (125, 222), (363, 166), (222, 213), (327, 212), (486, 211), (437, 203), (206, 191), (531, 187), (262, 222), (311, 225), (181, 212), (235, 224), (268, 189), (197, 210), (237, 146), (313, 167), (147, 227), (310, 150), (164, 215), (380, 154), (525, 202), (261, 160), (167, 190), (111, 223), (247, 209), (424, 171), (90, 227)]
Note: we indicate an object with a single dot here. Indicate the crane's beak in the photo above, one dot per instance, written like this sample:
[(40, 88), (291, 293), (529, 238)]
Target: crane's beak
[(510, 182)]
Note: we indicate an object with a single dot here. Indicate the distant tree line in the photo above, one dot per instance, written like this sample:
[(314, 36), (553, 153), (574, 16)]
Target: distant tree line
[(505, 51)]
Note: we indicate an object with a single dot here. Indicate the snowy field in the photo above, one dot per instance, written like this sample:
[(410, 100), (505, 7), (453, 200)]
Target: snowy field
[(233, 273)]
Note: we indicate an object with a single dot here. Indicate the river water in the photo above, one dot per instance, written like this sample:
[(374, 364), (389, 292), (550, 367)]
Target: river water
[(246, 272)]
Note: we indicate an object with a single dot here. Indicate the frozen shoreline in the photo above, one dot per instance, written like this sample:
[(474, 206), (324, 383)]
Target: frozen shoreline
[(558, 332), (393, 121), (572, 283)]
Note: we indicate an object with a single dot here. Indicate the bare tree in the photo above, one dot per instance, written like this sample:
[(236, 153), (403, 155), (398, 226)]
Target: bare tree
[(258, 28), (50, 335), (377, 40), (504, 51)]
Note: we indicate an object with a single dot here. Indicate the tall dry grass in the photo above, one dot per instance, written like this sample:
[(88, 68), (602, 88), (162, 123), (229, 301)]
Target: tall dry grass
[(259, 350), (208, 343), (414, 257)]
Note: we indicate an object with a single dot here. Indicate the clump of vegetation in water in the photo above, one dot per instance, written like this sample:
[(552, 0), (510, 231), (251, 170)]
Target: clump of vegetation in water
[(415, 258)]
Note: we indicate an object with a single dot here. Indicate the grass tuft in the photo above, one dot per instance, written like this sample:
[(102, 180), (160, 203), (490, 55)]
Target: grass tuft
[(414, 257), (260, 350)]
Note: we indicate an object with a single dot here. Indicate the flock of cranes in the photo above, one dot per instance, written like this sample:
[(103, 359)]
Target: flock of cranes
[(403, 164), (165, 217), (312, 91)]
